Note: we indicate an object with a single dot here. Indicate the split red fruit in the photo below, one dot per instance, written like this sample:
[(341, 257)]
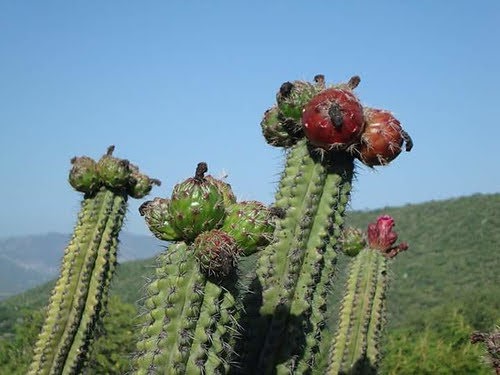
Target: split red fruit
[(382, 138), (333, 119)]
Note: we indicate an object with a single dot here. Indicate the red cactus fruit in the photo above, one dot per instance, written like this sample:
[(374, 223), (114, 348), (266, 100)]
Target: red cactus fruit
[(382, 237), (382, 139), (217, 253), (333, 119)]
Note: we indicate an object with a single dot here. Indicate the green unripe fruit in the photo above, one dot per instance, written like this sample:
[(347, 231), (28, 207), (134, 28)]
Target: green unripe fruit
[(251, 224), (217, 253), (114, 172), (140, 184), (157, 216), (353, 241), (83, 176), (293, 96), (225, 189), (278, 131), (197, 205)]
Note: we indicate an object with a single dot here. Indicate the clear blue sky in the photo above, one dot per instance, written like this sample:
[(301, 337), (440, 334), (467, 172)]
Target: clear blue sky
[(171, 83)]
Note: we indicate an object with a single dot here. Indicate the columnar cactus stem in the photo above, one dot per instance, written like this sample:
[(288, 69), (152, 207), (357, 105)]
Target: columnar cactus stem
[(78, 296), (313, 191), (356, 343), (186, 318), (355, 349)]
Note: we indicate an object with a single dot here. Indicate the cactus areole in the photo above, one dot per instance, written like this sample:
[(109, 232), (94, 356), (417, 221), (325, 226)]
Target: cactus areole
[(333, 119), (197, 205)]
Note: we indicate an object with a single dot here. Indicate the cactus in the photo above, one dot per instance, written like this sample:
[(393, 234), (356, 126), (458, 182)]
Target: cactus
[(184, 313), (79, 297), (199, 317), (294, 272), (356, 345), (190, 306)]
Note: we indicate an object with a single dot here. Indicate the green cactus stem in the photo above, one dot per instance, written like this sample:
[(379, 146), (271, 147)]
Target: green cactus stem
[(82, 287), (355, 348), (187, 318), (79, 298), (313, 192)]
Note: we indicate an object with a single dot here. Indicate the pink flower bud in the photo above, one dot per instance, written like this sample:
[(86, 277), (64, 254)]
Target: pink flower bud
[(382, 237)]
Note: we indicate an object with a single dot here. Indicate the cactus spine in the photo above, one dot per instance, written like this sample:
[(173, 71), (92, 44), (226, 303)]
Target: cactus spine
[(79, 298)]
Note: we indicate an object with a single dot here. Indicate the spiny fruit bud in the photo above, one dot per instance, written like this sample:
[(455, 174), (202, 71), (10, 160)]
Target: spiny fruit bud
[(114, 172), (382, 237), (251, 224), (197, 205), (352, 241), (333, 119), (278, 131), (217, 253), (158, 219), (225, 189), (140, 184), (293, 96), (382, 138), (83, 176)]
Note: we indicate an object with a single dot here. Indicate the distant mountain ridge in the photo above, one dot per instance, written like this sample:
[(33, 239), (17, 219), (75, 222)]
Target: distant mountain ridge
[(27, 261)]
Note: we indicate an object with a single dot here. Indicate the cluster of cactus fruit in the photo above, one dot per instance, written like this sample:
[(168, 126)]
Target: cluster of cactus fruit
[(203, 212), (333, 119), (202, 313), (119, 175)]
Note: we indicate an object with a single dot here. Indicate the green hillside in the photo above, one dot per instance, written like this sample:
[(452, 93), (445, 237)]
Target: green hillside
[(454, 257), (443, 287)]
